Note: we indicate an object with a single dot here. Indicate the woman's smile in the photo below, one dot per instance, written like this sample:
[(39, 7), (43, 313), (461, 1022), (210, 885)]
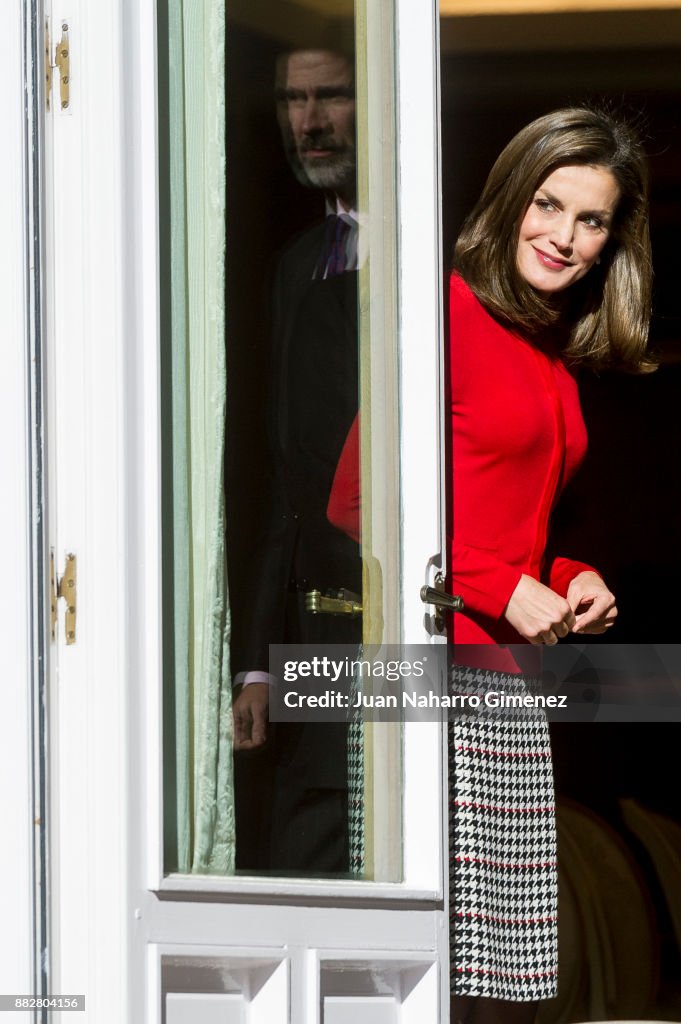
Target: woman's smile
[(553, 262)]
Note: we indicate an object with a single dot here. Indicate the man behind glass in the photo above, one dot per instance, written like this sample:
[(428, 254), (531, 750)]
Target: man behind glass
[(312, 404)]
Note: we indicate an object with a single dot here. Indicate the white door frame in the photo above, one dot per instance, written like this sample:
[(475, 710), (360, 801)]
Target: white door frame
[(115, 916), (17, 962)]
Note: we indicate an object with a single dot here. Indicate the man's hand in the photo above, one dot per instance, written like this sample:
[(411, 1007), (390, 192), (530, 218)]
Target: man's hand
[(593, 604), (538, 613), (250, 716)]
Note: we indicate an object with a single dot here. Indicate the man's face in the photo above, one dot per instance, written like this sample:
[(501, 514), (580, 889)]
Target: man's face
[(317, 119)]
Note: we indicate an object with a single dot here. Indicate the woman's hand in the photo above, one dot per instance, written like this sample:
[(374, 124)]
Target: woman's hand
[(539, 614), (592, 603)]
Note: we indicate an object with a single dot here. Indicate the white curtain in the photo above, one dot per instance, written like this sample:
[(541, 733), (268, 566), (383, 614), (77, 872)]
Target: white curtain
[(203, 712)]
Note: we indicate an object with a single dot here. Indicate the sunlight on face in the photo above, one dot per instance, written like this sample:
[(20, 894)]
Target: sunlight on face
[(566, 226)]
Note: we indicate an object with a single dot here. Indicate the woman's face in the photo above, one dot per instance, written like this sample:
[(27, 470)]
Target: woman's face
[(566, 226)]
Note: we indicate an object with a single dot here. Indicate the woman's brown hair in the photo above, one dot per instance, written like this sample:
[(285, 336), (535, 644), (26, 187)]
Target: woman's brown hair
[(605, 318)]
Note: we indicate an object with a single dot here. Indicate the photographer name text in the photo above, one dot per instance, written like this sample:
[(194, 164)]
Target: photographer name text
[(430, 699)]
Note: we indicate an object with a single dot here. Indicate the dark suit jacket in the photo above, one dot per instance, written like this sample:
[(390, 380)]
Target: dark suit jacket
[(313, 401)]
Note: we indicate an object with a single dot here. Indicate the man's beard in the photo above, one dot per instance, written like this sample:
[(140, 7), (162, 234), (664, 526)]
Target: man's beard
[(335, 173)]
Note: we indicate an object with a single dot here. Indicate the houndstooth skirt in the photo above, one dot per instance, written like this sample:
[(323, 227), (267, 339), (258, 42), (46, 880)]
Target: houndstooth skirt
[(502, 846)]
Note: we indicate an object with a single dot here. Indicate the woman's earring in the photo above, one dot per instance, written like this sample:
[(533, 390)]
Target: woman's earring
[(598, 261)]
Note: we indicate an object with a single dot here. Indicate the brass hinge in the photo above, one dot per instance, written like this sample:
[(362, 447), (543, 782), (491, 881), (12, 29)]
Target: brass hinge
[(67, 588), (62, 61)]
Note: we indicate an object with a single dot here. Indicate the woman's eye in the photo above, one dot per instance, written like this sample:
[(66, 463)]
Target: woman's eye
[(544, 204), (593, 222)]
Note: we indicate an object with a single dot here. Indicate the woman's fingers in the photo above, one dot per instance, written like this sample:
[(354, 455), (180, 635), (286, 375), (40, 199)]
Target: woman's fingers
[(537, 613), (543, 617), (599, 626), (593, 603)]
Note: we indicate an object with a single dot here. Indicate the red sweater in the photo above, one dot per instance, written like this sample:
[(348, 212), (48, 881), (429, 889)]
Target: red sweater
[(518, 436)]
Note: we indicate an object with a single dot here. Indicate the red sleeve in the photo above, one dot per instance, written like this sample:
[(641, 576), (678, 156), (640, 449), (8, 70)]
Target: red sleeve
[(560, 572), (483, 581), (344, 506)]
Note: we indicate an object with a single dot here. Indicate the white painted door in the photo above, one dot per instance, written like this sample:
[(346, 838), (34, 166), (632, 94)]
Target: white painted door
[(143, 946), (87, 303)]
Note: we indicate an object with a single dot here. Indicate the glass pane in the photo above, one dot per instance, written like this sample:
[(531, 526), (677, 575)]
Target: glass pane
[(278, 328)]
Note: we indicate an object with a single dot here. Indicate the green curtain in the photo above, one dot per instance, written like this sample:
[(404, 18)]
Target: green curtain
[(203, 712)]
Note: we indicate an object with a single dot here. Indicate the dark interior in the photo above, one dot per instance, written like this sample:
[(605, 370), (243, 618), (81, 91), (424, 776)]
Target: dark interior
[(623, 511)]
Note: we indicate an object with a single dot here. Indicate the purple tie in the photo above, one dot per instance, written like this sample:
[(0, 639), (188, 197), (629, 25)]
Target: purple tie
[(333, 256)]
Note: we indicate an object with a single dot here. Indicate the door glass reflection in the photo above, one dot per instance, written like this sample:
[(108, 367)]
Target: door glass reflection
[(295, 251)]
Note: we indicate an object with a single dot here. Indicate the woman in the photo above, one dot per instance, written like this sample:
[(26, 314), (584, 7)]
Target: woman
[(552, 273)]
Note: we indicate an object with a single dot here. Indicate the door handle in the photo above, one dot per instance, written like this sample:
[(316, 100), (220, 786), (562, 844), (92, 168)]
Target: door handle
[(441, 600), (450, 602)]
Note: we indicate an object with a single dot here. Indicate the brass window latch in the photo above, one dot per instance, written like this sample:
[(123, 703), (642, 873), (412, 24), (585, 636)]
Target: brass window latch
[(62, 61), (67, 588), (343, 603)]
